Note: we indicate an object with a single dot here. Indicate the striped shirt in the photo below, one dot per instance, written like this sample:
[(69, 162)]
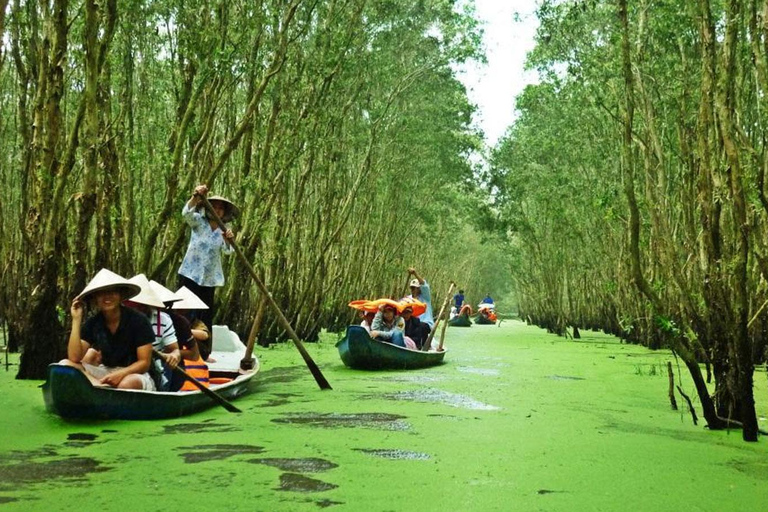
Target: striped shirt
[(162, 327)]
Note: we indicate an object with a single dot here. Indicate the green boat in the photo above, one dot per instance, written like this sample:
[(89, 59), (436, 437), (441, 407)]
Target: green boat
[(460, 321), (359, 351), (482, 320), (68, 392)]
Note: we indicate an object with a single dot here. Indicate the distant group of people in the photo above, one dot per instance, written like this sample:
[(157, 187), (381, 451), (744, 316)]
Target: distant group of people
[(459, 306), (395, 321), (114, 347)]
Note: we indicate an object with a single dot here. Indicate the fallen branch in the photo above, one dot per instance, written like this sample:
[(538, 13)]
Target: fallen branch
[(671, 374), (690, 406)]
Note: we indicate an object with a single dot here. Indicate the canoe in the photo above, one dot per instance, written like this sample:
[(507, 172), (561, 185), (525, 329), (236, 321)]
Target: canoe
[(482, 320), (460, 321), (68, 393), (359, 351)]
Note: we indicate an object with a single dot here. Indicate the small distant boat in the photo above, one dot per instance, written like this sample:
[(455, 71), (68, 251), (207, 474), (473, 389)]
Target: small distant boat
[(460, 321), (359, 351), (484, 320), (68, 392)]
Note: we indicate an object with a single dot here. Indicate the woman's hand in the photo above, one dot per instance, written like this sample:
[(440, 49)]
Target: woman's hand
[(373, 334), (113, 379), (201, 190), (229, 235), (76, 309)]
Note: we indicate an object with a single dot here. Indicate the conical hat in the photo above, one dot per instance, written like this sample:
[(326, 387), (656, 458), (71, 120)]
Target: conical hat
[(147, 296), (418, 308), (163, 293), (230, 209), (106, 280), (188, 300)]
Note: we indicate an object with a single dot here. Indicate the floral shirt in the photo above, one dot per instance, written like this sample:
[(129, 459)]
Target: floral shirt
[(202, 262)]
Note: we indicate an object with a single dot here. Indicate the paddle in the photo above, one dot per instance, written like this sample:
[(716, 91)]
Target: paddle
[(316, 373), (428, 343), (211, 394)]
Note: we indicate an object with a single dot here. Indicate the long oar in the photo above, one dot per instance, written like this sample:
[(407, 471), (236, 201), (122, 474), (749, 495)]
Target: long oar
[(316, 373), (211, 394), (428, 343)]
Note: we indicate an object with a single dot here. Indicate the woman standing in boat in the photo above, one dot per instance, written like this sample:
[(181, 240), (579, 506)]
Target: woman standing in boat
[(201, 270), (120, 338)]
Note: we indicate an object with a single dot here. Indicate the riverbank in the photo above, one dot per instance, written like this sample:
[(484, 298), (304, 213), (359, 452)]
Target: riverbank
[(515, 420)]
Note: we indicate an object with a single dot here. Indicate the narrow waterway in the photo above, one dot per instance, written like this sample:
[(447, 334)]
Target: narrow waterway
[(515, 420)]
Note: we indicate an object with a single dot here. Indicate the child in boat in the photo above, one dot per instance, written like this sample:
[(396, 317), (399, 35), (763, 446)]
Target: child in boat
[(367, 321), (188, 307), (113, 347), (387, 325), (165, 340)]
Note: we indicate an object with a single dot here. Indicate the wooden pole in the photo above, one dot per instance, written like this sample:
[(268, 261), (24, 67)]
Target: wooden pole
[(209, 392), (442, 335), (247, 362), (313, 368), (428, 343)]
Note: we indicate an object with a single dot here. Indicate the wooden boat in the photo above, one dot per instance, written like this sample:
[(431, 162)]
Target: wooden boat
[(68, 393), (460, 321), (484, 320), (358, 350)]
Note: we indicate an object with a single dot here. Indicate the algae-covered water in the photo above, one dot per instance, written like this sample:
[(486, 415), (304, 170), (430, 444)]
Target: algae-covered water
[(515, 420)]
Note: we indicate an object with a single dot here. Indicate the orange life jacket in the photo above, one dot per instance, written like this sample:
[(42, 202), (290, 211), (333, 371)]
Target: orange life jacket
[(197, 369)]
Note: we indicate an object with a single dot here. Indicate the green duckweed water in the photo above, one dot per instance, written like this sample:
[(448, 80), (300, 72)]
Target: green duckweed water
[(515, 420)]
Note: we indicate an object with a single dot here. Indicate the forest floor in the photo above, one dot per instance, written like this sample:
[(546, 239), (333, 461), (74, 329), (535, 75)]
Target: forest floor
[(516, 419)]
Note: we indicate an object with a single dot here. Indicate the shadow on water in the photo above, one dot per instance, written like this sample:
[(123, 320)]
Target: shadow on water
[(80, 440), (328, 503), (394, 454), (300, 483), (281, 374), (375, 420), (486, 372), (564, 377), (197, 428), (309, 465), (17, 475), (208, 452), (441, 397)]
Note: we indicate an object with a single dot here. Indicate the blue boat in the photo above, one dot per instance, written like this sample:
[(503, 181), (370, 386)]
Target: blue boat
[(359, 351)]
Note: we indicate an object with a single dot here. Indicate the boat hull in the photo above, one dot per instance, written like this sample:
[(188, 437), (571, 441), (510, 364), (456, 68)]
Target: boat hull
[(460, 321), (481, 320), (359, 351), (69, 393)]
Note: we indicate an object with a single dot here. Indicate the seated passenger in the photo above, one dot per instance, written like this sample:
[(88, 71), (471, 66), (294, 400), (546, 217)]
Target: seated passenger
[(117, 339), (188, 307), (367, 321), (415, 330), (190, 355), (387, 325), (487, 299), (164, 334)]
